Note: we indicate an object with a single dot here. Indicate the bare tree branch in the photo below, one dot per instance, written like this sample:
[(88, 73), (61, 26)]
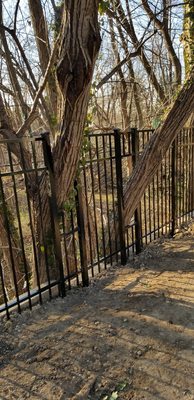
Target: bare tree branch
[(23, 76), (32, 114), (15, 16), (121, 63), (161, 25), (7, 90), (54, 5), (119, 16)]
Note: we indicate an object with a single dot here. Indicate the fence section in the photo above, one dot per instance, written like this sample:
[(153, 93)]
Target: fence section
[(28, 265), (44, 250)]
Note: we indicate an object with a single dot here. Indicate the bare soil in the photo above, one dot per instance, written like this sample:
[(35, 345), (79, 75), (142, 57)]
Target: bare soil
[(130, 335)]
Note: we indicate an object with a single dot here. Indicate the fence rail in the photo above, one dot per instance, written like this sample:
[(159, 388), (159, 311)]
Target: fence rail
[(45, 250)]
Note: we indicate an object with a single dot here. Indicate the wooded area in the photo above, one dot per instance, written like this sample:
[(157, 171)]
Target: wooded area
[(69, 68)]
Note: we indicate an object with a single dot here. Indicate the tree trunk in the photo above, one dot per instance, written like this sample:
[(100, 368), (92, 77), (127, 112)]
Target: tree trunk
[(157, 147), (43, 46), (187, 36), (71, 244), (123, 84), (78, 52), (14, 276), (79, 48)]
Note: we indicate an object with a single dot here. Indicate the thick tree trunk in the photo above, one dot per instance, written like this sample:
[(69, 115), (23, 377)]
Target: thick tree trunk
[(78, 52)]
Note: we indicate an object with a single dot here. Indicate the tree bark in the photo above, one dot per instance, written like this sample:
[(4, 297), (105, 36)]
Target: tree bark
[(78, 52), (44, 52), (157, 147), (123, 84), (133, 80), (40, 31), (187, 36), (19, 277)]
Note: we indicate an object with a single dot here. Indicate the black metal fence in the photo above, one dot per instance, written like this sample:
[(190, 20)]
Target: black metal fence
[(44, 250)]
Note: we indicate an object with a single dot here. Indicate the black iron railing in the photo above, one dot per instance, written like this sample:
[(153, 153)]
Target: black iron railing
[(45, 250)]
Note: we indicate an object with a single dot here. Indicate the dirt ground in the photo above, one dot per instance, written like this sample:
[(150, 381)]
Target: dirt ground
[(130, 335)]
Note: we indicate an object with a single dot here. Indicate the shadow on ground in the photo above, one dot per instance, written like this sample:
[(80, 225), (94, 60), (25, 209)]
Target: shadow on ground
[(131, 333)]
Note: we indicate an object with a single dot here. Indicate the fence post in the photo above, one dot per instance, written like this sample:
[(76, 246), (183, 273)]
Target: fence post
[(48, 159), (119, 181), (173, 188), (81, 234), (137, 214)]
